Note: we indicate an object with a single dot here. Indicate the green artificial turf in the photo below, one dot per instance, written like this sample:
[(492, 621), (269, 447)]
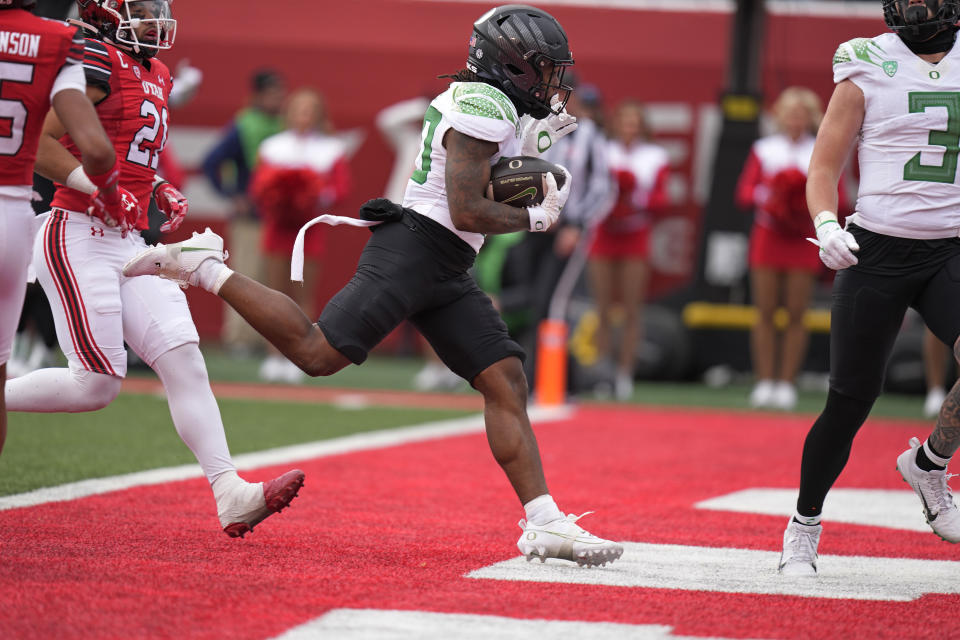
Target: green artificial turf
[(135, 433)]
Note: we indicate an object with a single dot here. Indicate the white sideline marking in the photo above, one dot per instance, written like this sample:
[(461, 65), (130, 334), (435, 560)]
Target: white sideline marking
[(890, 509), (370, 624), (669, 566), (271, 457)]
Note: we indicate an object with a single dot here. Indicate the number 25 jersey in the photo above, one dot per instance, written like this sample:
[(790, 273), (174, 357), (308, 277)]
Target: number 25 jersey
[(910, 138), (134, 115)]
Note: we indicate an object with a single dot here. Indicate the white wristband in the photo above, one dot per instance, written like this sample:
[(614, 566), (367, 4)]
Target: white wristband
[(78, 180), (539, 219)]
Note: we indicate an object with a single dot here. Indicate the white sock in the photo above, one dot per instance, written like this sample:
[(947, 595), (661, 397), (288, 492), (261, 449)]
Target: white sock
[(940, 461), (810, 521), (211, 275), (542, 510), (194, 409)]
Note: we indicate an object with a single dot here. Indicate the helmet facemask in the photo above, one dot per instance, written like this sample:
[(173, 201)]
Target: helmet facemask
[(919, 22), (155, 14), (119, 20)]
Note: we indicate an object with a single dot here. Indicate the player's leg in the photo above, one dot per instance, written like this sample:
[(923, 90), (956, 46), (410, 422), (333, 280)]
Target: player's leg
[(763, 352), (866, 315), (798, 287), (924, 465), (159, 328), (16, 221), (77, 268), (472, 340)]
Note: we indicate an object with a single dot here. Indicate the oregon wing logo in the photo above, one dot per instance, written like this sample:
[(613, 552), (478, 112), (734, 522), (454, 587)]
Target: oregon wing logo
[(890, 67)]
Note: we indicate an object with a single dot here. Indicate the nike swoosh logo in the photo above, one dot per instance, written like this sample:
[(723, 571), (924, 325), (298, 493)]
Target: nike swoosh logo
[(930, 516), (529, 191), (566, 536)]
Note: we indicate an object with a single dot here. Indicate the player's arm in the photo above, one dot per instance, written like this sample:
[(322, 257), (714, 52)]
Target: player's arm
[(74, 114), (467, 176), (838, 132)]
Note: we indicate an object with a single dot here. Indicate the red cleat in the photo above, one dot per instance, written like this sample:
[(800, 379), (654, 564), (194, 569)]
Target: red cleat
[(250, 504)]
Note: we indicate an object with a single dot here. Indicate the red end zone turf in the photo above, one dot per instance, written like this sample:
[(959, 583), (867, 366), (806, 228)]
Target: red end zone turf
[(400, 528)]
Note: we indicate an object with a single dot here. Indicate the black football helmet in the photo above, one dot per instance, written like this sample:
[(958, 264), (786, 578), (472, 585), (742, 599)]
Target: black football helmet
[(524, 51), (18, 4), (911, 22)]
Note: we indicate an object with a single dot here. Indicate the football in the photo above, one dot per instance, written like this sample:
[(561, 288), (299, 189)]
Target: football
[(520, 181)]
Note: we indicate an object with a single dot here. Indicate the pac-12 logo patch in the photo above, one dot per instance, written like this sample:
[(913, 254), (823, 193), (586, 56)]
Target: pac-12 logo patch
[(890, 67)]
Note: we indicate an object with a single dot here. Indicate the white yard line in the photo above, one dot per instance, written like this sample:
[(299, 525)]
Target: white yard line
[(270, 457), (375, 624), (726, 570)]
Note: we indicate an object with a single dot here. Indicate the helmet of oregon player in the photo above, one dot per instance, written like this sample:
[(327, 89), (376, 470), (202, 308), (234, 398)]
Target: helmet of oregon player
[(141, 26), (920, 21), (524, 51)]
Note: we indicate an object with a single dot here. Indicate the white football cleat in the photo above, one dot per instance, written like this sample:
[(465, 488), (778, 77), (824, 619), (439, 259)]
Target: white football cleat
[(177, 261), (566, 540), (938, 506), (799, 557)]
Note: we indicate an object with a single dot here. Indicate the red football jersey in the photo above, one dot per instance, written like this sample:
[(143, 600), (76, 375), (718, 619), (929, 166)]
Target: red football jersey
[(32, 52), (134, 115)]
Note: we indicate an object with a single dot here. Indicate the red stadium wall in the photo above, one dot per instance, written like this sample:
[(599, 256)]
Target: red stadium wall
[(365, 56)]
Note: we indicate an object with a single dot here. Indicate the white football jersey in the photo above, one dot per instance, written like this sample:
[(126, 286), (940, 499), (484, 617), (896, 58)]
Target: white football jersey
[(910, 137), (475, 109)]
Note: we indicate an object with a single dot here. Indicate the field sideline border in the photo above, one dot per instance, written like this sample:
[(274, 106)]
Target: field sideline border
[(270, 457)]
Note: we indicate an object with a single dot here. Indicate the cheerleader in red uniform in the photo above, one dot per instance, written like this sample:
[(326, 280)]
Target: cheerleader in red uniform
[(783, 265), (300, 173), (618, 257)]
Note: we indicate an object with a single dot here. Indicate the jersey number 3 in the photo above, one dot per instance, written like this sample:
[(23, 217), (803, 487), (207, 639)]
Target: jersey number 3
[(949, 139), (147, 135)]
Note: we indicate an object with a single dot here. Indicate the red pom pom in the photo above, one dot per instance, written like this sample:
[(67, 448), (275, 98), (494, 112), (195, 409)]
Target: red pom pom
[(787, 203)]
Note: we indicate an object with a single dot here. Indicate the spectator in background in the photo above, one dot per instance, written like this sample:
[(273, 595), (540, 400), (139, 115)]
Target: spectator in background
[(584, 154), (783, 265), (228, 165), (618, 257), (300, 172)]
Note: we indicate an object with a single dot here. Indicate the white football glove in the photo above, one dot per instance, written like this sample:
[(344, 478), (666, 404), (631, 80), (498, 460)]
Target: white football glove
[(539, 135), (545, 214), (836, 244)]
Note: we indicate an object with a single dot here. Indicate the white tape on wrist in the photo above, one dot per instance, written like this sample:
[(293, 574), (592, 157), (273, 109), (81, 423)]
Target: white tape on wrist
[(77, 179), (539, 218), (824, 223)]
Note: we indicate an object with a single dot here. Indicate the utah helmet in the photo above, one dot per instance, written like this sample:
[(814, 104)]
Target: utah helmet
[(524, 51), (911, 22), (119, 20)]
